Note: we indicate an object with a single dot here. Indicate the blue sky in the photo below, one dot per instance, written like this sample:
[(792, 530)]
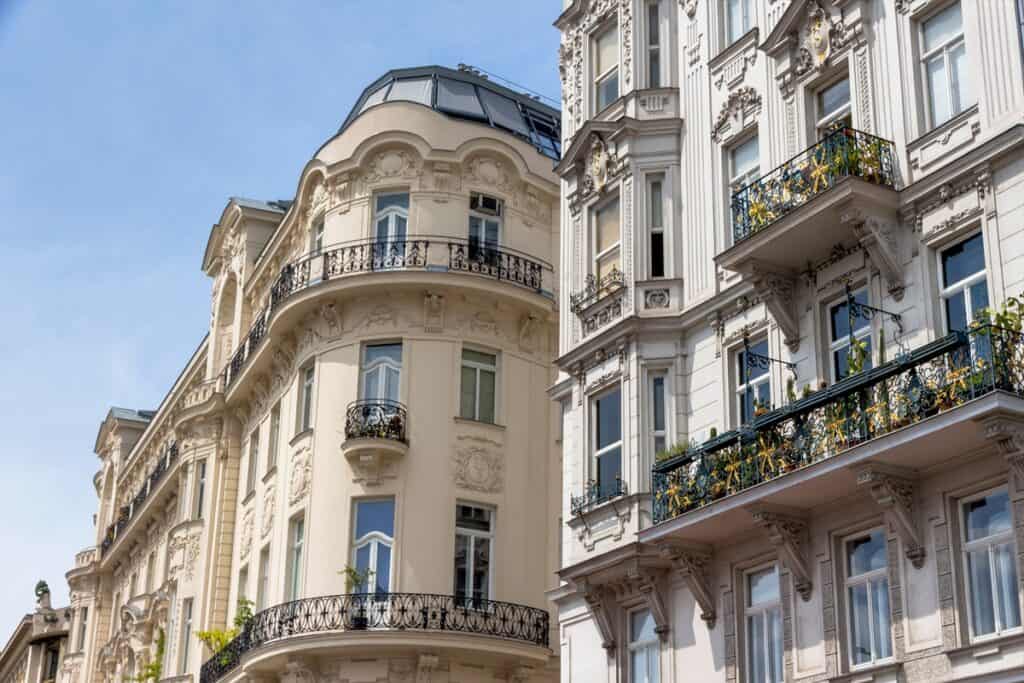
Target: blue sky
[(124, 127)]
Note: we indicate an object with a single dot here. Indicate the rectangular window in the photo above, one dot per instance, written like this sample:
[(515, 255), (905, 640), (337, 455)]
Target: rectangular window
[(52, 662), (654, 44), (840, 325), (474, 537), (763, 623), (944, 64), (373, 537), (316, 237), (643, 648), (382, 372), (744, 168), (606, 413), (658, 412), (753, 381), (606, 67), (963, 285), (186, 634), (275, 436), (254, 457), (390, 220), (304, 413), (656, 223), (833, 106), (606, 239), (262, 579), (485, 216), (296, 540), (867, 597), (737, 19), (151, 572), (83, 627), (243, 583), (479, 380), (990, 564), (200, 489)]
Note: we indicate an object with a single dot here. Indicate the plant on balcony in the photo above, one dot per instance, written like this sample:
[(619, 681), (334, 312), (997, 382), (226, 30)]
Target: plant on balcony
[(217, 640), (153, 670), (356, 579)]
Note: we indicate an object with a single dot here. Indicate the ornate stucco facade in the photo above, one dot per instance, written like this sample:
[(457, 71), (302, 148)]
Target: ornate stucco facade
[(788, 456), (360, 450)]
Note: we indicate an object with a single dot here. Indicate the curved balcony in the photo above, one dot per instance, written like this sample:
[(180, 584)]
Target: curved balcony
[(150, 486), (420, 254), (375, 437), (372, 613)]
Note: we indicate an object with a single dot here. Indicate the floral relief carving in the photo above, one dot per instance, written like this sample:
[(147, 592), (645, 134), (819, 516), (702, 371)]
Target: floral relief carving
[(741, 104), (298, 483), (245, 541), (268, 513), (392, 164), (489, 172), (477, 465)]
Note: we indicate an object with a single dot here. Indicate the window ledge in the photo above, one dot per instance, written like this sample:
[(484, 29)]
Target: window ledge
[(269, 474), (480, 423), (300, 436), (869, 673), (989, 646), (248, 497), (944, 127)]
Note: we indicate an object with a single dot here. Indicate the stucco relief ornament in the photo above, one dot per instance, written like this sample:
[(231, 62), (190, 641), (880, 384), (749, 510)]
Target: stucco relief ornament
[(298, 483), (599, 162), (245, 543), (822, 37), (320, 200), (477, 467), (690, 6), (268, 514), (741, 102)]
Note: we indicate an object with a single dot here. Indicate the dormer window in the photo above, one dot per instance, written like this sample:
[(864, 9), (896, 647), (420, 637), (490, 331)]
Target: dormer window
[(606, 67)]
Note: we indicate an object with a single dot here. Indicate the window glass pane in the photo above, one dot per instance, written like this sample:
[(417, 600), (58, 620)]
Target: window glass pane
[(938, 89), (638, 667), (478, 357), (472, 517), (762, 587), (654, 67), (963, 260), (943, 26), (860, 634), (362, 564), (609, 470), (375, 515), (467, 394), (657, 255), (734, 12), (866, 553), (376, 97), (1006, 588), (756, 665), (481, 568), (834, 98), (652, 24), (979, 576), (382, 573), (377, 352), (960, 80), (745, 158), (979, 299), (412, 90), (607, 52), (458, 97), (658, 390), (486, 396), (759, 349), (956, 312), (461, 564), (504, 112), (656, 204), (987, 516), (398, 200), (609, 429), (882, 637), (773, 626), (608, 89), (641, 626), (607, 226)]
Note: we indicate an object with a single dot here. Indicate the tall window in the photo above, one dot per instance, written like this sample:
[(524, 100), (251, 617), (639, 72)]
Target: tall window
[(474, 535), (263, 579), (763, 618), (391, 217), (833, 106), (607, 435), (606, 239), (485, 215), (83, 627), (150, 572), (200, 489), (52, 662), (839, 331), (304, 413), (654, 44), (254, 456), (296, 543), (373, 537), (867, 596), (382, 371), (753, 382), (964, 285), (990, 564), (656, 223), (316, 236), (243, 582), (737, 19), (658, 412), (744, 167), (606, 67), (643, 648), (186, 634), (275, 436), (479, 373), (944, 63)]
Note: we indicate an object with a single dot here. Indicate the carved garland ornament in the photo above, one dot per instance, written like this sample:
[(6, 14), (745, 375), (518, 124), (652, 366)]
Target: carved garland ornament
[(740, 102), (478, 465), (298, 483)]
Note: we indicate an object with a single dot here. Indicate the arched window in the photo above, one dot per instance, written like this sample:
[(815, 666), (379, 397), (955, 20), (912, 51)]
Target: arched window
[(391, 217), (373, 531), (382, 371)]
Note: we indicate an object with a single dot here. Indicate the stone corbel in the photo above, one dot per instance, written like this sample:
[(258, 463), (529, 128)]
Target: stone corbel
[(649, 584), (880, 240), (786, 534), (296, 671), (425, 666), (778, 291), (692, 565), (600, 607), (1007, 432), (895, 495)]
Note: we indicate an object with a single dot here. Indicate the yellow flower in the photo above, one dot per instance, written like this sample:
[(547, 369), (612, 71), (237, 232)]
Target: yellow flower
[(819, 174)]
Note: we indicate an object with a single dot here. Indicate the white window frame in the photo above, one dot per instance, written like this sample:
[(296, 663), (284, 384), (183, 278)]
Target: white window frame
[(304, 402), (263, 578), (200, 489), (963, 285), (741, 383), (987, 543), (596, 452), (599, 78), (392, 214), (944, 49), (826, 121), (477, 368), (254, 459), (186, 634), (760, 610), (860, 334), (653, 376), (616, 248), (653, 229), (867, 578), (83, 627), (746, 21), (316, 236), (296, 555), (366, 368), (484, 217), (472, 535), (740, 178), (651, 647), (373, 539), (655, 38), (274, 436)]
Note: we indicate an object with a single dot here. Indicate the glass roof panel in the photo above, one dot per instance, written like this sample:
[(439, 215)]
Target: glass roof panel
[(504, 112), (459, 98), (376, 97), (412, 90)]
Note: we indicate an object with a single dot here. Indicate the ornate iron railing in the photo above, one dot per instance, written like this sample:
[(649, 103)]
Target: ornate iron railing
[(594, 494), (128, 512), (376, 419), (496, 262), (380, 611), (842, 154), (595, 289), (930, 380)]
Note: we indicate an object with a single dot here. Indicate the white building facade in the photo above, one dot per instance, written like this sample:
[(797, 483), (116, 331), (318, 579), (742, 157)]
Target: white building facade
[(789, 452)]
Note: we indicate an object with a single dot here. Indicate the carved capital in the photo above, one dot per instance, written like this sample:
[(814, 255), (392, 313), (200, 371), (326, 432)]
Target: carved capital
[(693, 565), (895, 496), (786, 533)]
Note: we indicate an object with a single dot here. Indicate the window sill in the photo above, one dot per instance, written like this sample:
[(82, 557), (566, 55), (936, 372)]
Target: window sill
[(988, 646), (870, 673), (269, 474), (943, 128), (480, 423), (300, 436)]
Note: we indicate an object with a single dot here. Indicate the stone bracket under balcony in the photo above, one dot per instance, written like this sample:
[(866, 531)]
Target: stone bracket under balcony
[(893, 492), (375, 439), (787, 531), (373, 460)]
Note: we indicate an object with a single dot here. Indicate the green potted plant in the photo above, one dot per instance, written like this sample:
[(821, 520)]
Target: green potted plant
[(358, 580)]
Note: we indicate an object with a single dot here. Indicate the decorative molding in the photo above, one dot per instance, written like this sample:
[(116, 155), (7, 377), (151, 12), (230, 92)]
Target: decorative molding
[(692, 564), (245, 537), (601, 605), (576, 42), (478, 465), (895, 495), (529, 333), (267, 513), (1007, 433), (433, 312), (300, 476), (786, 534), (742, 103), (880, 240), (777, 291), (657, 298), (689, 6)]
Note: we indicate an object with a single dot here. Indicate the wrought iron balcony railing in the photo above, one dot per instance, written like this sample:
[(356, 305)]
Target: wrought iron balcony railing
[(595, 494), (595, 289), (128, 512), (930, 380), (842, 154), (381, 611), (376, 419), (373, 256)]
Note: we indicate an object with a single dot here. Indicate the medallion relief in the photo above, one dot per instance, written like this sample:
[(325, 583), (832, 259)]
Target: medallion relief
[(478, 464)]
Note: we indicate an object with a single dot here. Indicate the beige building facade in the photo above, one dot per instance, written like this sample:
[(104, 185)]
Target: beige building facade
[(36, 650), (360, 451), (788, 454)]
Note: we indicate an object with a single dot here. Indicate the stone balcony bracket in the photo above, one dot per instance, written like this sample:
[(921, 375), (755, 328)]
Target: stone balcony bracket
[(894, 494), (693, 564), (787, 533)]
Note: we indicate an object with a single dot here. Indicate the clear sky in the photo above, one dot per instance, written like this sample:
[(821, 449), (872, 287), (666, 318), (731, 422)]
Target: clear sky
[(124, 128)]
